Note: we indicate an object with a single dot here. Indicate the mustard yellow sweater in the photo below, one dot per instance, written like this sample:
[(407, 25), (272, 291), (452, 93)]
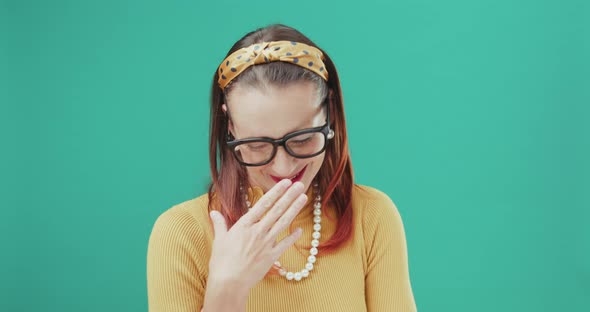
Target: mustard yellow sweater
[(369, 273)]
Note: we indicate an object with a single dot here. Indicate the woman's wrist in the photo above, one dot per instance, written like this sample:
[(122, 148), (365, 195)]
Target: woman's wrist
[(225, 296)]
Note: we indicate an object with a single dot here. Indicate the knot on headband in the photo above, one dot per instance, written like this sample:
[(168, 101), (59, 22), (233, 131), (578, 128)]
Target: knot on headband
[(296, 53)]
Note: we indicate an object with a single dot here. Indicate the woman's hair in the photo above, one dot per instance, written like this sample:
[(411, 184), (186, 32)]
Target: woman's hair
[(335, 175)]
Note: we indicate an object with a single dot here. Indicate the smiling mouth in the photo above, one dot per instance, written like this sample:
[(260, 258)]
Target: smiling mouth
[(294, 178)]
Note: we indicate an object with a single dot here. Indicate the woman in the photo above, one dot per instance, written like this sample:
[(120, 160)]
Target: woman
[(278, 131)]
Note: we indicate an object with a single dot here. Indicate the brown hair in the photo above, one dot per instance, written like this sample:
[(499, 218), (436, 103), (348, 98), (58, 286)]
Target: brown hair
[(335, 176)]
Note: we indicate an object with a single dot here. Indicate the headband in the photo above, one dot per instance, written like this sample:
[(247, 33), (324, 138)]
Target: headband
[(296, 53)]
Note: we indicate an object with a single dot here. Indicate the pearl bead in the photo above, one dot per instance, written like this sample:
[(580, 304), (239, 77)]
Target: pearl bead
[(314, 243)]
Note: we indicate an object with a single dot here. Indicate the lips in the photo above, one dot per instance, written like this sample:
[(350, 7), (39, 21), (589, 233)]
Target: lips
[(294, 179)]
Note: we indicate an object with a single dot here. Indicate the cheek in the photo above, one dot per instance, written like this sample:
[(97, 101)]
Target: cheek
[(256, 170), (316, 164)]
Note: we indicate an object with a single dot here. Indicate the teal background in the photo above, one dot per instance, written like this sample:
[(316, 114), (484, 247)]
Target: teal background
[(471, 115)]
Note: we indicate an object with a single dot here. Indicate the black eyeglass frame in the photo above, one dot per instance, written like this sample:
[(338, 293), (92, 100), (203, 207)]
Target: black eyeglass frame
[(325, 129)]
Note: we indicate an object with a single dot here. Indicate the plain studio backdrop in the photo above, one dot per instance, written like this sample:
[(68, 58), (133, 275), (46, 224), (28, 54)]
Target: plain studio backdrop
[(471, 115)]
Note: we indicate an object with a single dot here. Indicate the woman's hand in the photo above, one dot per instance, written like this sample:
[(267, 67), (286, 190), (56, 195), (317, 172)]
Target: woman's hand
[(242, 256)]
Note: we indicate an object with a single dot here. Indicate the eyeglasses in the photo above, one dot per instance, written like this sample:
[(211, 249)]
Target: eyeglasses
[(304, 143)]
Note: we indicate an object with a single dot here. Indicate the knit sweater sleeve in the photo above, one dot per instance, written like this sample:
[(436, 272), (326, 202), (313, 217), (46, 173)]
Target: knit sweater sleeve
[(387, 280), (176, 263)]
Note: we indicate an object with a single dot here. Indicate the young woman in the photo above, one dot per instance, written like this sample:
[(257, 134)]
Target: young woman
[(283, 226)]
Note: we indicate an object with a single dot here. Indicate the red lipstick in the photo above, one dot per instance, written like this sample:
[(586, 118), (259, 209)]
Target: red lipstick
[(295, 179)]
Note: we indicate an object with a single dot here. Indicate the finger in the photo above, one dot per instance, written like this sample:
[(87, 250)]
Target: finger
[(265, 202), (281, 206), (287, 242), (283, 222), (219, 225)]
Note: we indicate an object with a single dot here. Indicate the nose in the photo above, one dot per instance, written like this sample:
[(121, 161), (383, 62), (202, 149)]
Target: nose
[(283, 164)]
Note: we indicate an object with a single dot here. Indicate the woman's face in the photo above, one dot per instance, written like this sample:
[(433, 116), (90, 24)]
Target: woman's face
[(274, 112)]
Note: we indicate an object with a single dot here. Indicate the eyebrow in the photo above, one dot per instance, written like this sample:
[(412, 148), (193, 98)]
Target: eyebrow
[(298, 128)]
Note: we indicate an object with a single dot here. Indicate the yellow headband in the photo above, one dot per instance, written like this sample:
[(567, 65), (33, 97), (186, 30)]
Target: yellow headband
[(297, 53)]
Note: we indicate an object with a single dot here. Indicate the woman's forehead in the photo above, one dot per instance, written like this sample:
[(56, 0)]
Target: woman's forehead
[(274, 111)]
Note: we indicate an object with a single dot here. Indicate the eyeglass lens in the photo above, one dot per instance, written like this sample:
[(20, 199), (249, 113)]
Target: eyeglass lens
[(299, 146)]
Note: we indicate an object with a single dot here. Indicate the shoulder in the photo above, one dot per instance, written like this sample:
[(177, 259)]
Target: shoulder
[(372, 199), (369, 193), (178, 255), (374, 207), (187, 219)]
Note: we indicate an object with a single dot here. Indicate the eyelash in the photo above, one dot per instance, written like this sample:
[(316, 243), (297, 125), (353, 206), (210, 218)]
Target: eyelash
[(303, 141)]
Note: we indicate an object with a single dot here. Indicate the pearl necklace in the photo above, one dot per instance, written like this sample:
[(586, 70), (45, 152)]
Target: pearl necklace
[(317, 211)]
